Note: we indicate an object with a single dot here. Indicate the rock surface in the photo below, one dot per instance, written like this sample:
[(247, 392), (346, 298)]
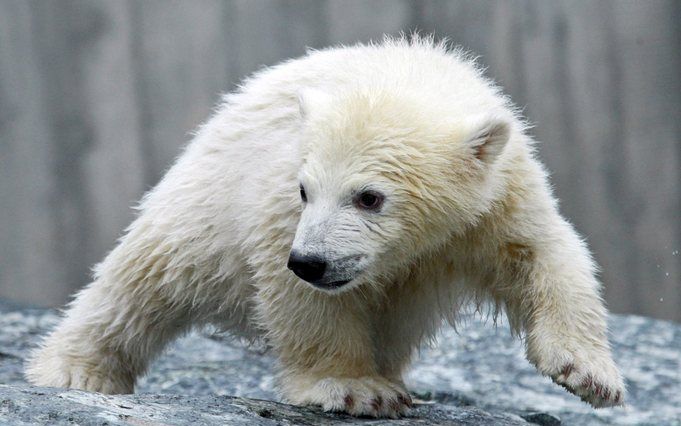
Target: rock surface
[(477, 377)]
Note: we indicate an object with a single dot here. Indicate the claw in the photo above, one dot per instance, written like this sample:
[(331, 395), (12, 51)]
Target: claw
[(587, 382), (376, 403), (567, 370), (349, 401), (406, 400)]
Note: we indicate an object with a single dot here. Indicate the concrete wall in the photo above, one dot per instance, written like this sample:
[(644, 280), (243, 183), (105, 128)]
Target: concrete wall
[(97, 97)]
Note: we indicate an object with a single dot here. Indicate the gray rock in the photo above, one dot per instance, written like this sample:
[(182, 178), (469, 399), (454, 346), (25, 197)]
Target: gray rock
[(29, 405), (479, 376)]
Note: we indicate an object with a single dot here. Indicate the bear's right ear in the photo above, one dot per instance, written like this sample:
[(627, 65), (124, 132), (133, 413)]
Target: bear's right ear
[(310, 100), (488, 136)]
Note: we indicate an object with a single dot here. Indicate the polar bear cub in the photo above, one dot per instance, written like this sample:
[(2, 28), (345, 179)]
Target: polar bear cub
[(340, 206)]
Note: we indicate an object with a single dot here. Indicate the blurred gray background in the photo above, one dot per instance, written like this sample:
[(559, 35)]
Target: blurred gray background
[(97, 97)]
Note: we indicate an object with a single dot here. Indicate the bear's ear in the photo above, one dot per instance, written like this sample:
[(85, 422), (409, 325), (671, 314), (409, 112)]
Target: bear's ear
[(488, 136), (310, 100)]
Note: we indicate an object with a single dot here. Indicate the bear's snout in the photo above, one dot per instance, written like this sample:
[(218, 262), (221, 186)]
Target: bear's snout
[(308, 268)]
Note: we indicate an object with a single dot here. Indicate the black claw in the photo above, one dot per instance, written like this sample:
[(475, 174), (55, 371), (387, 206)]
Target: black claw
[(349, 401), (587, 382), (598, 389), (567, 370), (406, 400), (376, 403)]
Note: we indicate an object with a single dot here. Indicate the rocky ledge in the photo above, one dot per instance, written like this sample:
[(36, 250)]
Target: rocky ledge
[(476, 377)]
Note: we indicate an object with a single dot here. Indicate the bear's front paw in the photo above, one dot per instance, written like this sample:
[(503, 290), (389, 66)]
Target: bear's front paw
[(364, 396), (600, 388), (61, 371), (589, 374)]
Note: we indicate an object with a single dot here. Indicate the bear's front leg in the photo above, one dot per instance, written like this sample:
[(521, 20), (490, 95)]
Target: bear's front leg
[(564, 317), (327, 354)]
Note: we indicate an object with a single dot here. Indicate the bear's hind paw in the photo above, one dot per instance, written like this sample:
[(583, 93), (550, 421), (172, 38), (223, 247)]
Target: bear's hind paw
[(60, 371)]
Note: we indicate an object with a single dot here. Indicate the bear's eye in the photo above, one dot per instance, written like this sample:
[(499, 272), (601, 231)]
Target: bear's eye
[(303, 196), (369, 200)]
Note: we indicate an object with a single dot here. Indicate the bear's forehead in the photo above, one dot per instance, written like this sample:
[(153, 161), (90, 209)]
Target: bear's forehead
[(352, 162), (380, 146), (380, 133), (384, 122)]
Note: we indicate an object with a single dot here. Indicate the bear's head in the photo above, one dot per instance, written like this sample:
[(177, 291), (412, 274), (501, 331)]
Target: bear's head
[(388, 177)]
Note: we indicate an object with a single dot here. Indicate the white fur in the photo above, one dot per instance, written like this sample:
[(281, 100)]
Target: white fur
[(468, 216)]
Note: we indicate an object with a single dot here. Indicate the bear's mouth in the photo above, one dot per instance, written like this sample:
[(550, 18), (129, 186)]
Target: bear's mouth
[(330, 285)]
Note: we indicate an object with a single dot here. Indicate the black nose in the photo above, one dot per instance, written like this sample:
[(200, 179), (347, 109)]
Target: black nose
[(309, 268)]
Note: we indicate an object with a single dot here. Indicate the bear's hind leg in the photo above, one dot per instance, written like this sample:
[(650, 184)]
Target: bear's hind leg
[(106, 340), (147, 292)]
